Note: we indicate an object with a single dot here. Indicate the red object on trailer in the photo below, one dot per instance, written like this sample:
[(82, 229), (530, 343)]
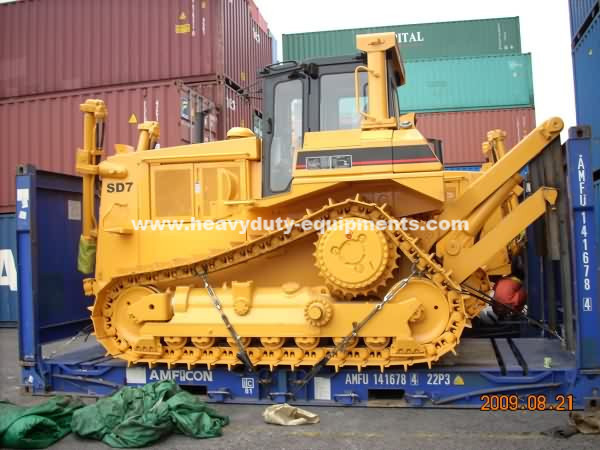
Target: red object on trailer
[(462, 132), (509, 291), (47, 130), (64, 45)]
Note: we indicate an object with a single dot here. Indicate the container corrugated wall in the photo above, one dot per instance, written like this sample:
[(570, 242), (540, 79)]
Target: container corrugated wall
[(597, 214), (428, 40), (586, 65), (463, 132), (247, 41), (453, 84), (8, 269), (234, 110), (62, 45), (47, 130), (580, 11)]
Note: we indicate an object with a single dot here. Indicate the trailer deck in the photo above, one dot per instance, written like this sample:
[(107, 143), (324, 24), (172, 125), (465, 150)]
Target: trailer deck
[(527, 366)]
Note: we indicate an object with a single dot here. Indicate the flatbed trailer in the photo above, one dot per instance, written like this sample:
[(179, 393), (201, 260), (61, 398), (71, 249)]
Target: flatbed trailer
[(482, 366), (535, 372)]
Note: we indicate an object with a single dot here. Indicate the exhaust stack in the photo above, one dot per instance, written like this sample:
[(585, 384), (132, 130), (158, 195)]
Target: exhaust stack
[(379, 47)]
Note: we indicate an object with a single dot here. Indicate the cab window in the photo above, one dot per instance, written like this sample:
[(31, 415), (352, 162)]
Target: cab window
[(287, 133), (395, 101), (337, 104)]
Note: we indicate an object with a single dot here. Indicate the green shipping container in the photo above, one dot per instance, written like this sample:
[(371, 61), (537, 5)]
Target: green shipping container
[(459, 84), (429, 40)]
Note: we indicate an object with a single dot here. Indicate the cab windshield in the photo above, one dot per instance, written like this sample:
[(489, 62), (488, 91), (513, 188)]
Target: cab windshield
[(337, 104)]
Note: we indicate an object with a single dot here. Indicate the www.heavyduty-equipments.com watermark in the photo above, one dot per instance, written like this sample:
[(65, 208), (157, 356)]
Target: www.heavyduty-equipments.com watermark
[(258, 224)]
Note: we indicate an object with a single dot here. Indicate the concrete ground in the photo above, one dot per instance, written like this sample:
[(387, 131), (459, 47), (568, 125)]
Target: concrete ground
[(347, 428)]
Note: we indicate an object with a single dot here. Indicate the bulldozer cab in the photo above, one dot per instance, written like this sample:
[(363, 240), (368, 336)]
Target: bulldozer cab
[(323, 94)]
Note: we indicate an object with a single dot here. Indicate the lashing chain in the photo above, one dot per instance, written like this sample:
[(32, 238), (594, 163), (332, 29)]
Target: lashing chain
[(242, 355), (356, 327)]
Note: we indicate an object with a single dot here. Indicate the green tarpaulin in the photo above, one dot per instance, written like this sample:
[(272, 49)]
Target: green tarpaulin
[(36, 426), (136, 417)]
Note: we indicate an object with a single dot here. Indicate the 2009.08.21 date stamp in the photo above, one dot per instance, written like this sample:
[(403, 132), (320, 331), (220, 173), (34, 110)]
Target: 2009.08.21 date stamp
[(538, 402)]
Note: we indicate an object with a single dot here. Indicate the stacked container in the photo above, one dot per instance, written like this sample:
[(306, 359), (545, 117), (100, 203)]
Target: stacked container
[(463, 131), (63, 45), (418, 41), (467, 83), (585, 33), (463, 79), (184, 63), (582, 14), (585, 29), (176, 61)]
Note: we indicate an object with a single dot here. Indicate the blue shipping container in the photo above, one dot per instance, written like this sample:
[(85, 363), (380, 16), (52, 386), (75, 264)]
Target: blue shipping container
[(586, 65), (48, 225), (580, 10), (596, 148), (597, 214), (8, 270)]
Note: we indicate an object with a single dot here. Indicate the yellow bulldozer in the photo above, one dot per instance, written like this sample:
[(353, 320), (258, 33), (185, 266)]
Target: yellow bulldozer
[(368, 253)]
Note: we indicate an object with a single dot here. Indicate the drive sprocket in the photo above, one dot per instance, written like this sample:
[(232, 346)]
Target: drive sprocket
[(355, 257)]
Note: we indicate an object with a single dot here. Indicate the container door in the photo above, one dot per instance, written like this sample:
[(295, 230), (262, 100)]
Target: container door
[(8, 270)]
